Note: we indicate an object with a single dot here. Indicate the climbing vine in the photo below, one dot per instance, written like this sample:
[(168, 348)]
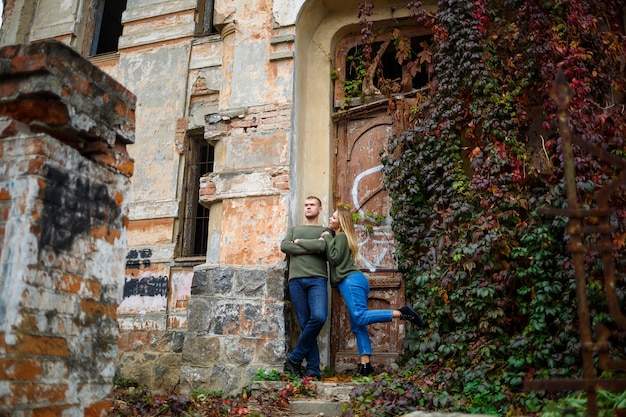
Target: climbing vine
[(493, 276)]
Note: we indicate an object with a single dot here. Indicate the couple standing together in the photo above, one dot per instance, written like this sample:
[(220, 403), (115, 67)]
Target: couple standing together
[(308, 248)]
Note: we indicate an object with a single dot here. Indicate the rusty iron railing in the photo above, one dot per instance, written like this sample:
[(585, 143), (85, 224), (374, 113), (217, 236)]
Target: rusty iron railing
[(577, 230)]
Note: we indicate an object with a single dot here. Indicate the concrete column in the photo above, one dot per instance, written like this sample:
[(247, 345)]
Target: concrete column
[(64, 195)]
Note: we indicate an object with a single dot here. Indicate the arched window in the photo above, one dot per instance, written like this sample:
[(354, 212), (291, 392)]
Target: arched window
[(385, 75)]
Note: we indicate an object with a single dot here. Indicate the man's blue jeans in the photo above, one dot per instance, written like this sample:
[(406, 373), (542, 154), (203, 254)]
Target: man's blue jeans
[(309, 297), (355, 289)]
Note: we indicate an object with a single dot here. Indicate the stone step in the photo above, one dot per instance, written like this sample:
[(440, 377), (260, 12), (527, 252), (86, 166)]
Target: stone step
[(435, 414), (326, 408), (328, 400), (330, 391), (310, 407)]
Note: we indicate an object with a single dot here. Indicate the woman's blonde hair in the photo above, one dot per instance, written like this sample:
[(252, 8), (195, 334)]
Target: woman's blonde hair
[(347, 225)]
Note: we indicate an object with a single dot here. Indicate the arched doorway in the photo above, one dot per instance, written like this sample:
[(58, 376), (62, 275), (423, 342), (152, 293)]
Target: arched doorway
[(363, 126), (336, 154)]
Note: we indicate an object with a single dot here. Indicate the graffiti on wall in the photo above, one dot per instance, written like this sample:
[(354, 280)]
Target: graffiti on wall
[(146, 285), (151, 286), (376, 241), (155, 296), (83, 197), (136, 259)]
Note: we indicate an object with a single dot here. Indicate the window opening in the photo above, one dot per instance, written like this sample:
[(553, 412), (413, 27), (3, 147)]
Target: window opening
[(201, 157), (355, 80), (204, 25), (108, 27)]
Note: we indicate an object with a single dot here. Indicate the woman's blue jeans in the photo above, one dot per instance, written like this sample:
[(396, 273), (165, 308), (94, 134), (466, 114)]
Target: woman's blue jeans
[(309, 297), (355, 289)]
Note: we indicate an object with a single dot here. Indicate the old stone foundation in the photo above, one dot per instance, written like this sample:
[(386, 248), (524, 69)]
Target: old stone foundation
[(237, 321)]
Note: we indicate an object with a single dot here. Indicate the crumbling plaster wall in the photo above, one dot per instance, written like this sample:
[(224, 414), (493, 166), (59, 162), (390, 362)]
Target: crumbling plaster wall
[(16, 21), (243, 79), (236, 315)]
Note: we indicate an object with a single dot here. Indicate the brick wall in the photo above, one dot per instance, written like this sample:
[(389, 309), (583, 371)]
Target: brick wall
[(64, 191)]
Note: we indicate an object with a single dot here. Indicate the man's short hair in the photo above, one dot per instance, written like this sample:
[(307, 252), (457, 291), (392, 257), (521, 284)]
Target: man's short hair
[(312, 197)]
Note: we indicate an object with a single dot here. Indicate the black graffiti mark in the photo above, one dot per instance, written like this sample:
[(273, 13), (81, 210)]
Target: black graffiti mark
[(72, 207), (138, 258), (148, 286)]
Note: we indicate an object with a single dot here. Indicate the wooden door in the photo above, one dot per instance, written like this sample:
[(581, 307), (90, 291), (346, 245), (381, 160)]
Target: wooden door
[(360, 135)]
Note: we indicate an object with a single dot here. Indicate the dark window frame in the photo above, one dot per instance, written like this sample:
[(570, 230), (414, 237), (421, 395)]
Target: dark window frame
[(107, 27), (200, 160), (204, 23)]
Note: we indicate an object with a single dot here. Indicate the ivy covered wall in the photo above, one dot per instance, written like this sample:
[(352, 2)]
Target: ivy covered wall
[(493, 276)]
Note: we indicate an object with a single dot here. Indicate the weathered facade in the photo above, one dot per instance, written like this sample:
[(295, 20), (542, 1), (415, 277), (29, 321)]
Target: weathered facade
[(64, 197), (234, 128)]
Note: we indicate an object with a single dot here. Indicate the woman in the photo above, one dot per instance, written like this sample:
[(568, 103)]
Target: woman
[(342, 252)]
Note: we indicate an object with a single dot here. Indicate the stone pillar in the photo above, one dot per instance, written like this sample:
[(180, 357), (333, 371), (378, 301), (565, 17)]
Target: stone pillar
[(64, 195)]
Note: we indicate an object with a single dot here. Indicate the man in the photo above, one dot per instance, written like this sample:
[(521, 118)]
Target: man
[(307, 287)]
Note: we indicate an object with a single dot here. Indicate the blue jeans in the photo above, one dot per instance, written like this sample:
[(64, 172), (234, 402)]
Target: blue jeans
[(355, 289), (309, 297)]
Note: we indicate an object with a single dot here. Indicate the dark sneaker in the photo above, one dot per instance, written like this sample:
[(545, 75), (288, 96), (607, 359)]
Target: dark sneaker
[(411, 315), (314, 377), (365, 369), (294, 368)]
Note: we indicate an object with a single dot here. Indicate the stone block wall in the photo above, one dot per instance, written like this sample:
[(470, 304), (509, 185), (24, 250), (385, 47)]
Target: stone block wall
[(235, 327), (64, 190)]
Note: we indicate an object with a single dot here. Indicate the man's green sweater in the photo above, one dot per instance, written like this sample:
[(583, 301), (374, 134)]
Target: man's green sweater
[(305, 262)]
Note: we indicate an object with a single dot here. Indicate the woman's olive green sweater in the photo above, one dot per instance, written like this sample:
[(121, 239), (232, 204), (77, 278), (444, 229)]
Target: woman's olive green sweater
[(339, 257)]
